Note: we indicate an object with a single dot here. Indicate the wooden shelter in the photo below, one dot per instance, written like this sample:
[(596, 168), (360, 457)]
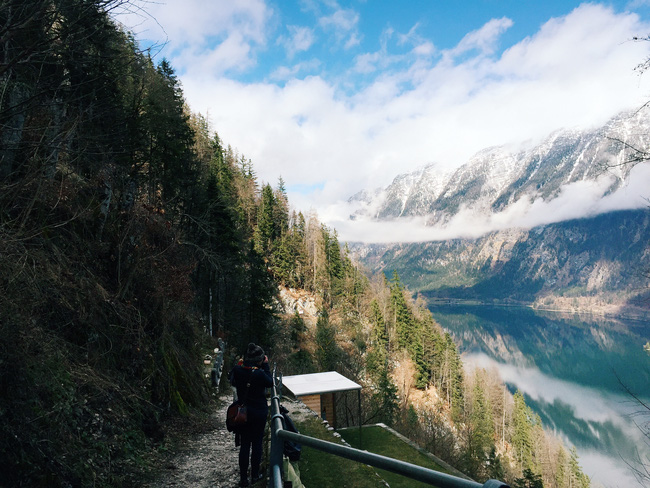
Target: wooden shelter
[(318, 391)]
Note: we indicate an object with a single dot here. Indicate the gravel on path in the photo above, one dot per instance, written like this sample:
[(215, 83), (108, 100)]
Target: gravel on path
[(206, 459)]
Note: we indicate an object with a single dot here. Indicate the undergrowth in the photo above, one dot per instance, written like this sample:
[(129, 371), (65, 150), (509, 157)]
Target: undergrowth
[(98, 344)]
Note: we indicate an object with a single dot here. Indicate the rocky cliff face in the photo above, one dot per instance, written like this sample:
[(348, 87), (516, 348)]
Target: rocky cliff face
[(599, 263)]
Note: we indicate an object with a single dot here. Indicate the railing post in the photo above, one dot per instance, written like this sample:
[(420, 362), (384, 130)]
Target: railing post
[(217, 366), (276, 454), (360, 422)]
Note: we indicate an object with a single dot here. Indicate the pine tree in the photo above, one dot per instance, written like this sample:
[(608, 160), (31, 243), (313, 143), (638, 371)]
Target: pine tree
[(431, 340), (496, 470), (265, 231), (561, 470), (261, 295), (282, 261), (170, 140), (380, 334), (317, 277), (377, 357), (478, 429), (577, 478), (327, 350), (282, 189), (354, 281), (529, 480), (404, 321), (421, 362), (522, 432), (481, 417), (281, 210), (411, 422), (451, 376), (333, 264), (300, 225), (385, 399), (297, 246), (297, 329), (213, 228)]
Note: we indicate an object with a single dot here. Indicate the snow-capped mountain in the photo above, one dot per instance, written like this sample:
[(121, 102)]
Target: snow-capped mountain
[(593, 261), (497, 177)]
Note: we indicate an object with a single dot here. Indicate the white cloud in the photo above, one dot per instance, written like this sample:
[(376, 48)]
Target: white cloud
[(484, 39), (353, 40), (424, 49), (409, 37), (302, 38), (284, 73), (576, 71), (575, 200), (216, 36), (634, 194), (366, 62), (234, 53), (343, 22), (384, 60)]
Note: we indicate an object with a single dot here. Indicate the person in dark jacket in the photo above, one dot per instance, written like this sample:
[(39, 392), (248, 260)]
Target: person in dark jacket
[(251, 376)]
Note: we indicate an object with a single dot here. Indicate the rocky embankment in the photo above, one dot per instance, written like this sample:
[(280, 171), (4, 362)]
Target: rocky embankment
[(300, 302)]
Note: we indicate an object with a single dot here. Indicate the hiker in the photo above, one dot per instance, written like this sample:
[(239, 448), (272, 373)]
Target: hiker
[(251, 376)]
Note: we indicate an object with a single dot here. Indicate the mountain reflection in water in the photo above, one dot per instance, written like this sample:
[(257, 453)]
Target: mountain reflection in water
[(570, 370)]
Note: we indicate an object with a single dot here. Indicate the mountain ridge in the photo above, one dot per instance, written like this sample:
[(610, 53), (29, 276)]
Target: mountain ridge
[(591, 262), (498, 177)]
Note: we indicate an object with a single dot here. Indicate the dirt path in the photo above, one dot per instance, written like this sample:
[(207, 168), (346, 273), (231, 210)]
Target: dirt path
[(204, 453), (207, 459)]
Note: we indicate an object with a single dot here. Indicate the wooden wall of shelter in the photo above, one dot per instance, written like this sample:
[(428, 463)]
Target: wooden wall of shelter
[(324, 405), (312, 401)]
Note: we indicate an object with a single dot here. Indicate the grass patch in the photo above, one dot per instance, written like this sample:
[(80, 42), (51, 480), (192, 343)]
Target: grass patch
[(320, 469), (381, 441)]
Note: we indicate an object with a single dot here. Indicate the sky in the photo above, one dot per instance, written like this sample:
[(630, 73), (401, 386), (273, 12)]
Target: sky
[(335, 97)]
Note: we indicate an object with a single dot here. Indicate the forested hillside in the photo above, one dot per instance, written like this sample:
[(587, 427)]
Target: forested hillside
[(126, 231), (132, 236)]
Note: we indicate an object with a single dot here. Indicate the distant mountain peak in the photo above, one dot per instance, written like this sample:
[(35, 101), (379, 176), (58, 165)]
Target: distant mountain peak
[(498, 177)]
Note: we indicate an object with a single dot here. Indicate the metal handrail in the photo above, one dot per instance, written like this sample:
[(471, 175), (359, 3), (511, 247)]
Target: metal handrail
[(279, 435)]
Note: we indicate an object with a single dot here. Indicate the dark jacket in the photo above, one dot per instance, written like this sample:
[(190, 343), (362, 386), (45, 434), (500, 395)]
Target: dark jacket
[(259, 378)]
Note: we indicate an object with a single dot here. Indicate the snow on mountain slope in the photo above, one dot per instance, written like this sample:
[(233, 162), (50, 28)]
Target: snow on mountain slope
[(497, 178)]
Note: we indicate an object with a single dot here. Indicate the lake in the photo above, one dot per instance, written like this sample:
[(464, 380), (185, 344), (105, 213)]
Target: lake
[(571, 370)]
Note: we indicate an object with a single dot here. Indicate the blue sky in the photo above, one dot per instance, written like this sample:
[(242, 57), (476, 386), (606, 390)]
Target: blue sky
[(338, 96), (338, 33)]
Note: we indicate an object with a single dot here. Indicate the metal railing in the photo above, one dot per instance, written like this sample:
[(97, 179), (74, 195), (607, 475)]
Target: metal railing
[(279, 435), (217, 364)]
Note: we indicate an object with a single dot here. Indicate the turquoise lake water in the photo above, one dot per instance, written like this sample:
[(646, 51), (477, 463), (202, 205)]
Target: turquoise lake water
[(573, 371)]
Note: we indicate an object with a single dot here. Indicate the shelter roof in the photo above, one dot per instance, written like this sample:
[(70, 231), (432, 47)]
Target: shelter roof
[(318, 383)]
